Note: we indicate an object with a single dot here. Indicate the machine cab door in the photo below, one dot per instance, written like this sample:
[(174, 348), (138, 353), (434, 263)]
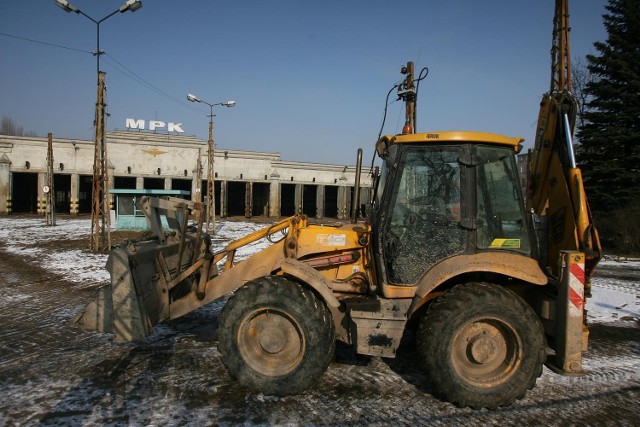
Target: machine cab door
[(425, 205), (500, 216)]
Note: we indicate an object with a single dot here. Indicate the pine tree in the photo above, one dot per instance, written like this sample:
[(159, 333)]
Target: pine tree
[(610, 135)]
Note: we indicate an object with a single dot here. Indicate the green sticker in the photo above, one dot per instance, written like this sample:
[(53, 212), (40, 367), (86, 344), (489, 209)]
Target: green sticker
[(505, 243)]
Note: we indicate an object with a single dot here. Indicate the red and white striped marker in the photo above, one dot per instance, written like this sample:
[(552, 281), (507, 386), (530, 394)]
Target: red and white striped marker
[(576, 287)]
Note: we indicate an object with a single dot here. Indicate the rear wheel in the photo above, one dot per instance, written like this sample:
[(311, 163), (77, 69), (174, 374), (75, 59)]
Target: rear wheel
[(275, 336), (481, 345)]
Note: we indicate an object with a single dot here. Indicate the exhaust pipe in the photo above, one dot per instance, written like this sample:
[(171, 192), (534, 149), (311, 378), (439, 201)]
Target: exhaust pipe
[(356, 197)]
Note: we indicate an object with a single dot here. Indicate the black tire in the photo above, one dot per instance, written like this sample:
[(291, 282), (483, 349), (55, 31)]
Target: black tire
[(481, 345), (275, 336)]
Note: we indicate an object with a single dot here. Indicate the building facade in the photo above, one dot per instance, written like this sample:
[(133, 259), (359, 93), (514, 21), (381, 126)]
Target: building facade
[(247, 183)]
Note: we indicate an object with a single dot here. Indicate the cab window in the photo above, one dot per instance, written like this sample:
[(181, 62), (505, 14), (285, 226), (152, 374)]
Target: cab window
[(425, 213), (500, 209)]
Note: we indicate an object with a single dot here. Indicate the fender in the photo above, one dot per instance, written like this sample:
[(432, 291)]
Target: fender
[(508, 264), (310, 276)]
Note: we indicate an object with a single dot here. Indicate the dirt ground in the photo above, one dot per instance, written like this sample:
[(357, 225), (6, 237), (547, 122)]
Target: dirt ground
[(54, 374)]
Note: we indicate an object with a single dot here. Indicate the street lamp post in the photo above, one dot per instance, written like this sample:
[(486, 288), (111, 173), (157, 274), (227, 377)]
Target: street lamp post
[(211, 206), (130, 5), (100, 218)]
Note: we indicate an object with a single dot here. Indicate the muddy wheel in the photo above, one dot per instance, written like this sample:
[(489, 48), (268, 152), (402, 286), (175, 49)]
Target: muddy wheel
[(275, 336), (481, 346)]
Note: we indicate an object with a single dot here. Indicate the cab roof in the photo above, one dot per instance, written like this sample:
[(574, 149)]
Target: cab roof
[(439, 137)]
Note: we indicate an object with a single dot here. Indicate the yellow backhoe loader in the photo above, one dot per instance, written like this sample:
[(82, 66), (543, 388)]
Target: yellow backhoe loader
[(447, 244)]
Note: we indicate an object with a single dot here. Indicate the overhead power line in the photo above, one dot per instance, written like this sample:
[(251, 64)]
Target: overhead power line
[(119, 67), (134, 76), (45, 43)]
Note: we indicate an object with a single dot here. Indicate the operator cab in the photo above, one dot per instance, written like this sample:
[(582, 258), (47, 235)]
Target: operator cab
[(442, 194)]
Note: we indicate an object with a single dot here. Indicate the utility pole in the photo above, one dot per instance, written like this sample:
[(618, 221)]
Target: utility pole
[(560, 49), (407, 92), (100, 215), (50, 217), (198, 186), (210, 217)]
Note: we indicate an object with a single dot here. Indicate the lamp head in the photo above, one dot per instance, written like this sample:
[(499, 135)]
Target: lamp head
[(131, 5), (229, 104), (66, 6), (193, 98)]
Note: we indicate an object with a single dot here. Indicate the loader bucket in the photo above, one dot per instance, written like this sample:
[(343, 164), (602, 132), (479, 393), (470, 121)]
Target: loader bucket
[(131, 304), (146, 275)]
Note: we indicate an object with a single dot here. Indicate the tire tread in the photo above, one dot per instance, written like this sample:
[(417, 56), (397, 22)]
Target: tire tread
[(433, 349)]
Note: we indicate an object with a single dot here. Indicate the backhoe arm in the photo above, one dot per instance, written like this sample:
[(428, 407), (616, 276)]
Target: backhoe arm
[(556, 188)]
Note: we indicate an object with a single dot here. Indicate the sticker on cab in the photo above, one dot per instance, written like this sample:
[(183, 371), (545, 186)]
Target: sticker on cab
[(505, 244)]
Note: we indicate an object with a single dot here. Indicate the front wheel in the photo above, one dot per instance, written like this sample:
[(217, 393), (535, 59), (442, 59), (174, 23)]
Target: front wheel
[(481, 345), (275, 336)]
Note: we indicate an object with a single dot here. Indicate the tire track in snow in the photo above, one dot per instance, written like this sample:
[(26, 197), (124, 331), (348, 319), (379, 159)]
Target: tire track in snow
[(628, 288)]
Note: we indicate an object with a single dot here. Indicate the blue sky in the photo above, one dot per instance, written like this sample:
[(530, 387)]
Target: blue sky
[(309, 77)]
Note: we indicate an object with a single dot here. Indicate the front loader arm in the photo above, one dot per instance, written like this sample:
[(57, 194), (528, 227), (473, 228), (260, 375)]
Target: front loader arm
[(167, 276)]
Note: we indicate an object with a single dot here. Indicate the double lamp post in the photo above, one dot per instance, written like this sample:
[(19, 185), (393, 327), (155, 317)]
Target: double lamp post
[(210, 219), (100, 206), (100, 209)]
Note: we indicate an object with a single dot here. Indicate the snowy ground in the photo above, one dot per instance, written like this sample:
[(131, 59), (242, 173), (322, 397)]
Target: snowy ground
[(27, 236), (176, 376)]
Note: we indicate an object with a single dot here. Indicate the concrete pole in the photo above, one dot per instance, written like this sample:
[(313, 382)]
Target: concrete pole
[(274, 199), (75, 194), (320, 201), (248, 200), (298, 198), (223, 199), (5, 184), (342, 202), (42, 197)]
